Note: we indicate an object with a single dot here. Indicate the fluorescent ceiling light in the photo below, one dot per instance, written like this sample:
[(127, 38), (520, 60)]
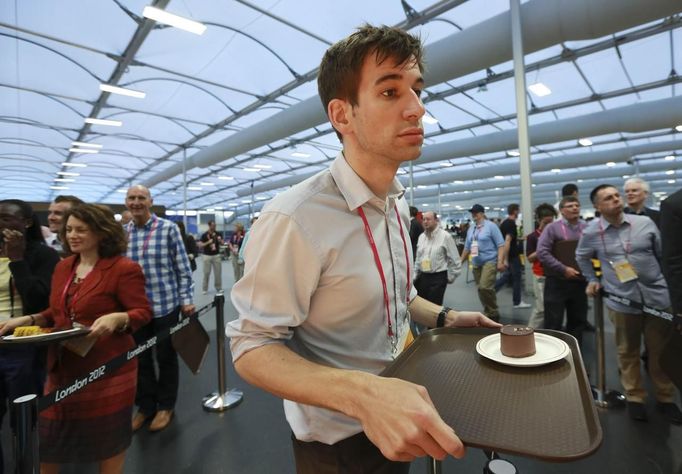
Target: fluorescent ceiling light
[(611, 163), (67, 173), (82, 150), (225, 177), (446, 164), (193, 188), (262, 198), (430, 120), (122, 91), (486, 207), (246, 201), (459, 181), (298, 154), (65, 180), (513, 153), (670, 158), (401, 171), (580, 180), (207, 184), (670, 172), (219, 208), (425, 205), (96, 121), (626, 176), (671, 181), (59, 187), (679, 128), (585, 142), (446, 205), (262, 167), (251, 169), (539, 89), (499, 177), (421, 186), (533, 185), (210, 209), (74, 165), (233, 204), (86, 145), (556, 170), (162, 16)]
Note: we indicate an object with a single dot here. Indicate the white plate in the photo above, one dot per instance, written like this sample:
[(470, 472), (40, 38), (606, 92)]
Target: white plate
[(37, 337), (547, 349)]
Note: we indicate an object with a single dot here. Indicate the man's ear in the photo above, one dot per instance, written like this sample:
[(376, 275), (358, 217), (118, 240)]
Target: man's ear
[(339, 112)]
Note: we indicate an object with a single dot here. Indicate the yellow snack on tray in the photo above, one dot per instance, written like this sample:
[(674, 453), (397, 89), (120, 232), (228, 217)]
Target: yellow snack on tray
[(23, 331)]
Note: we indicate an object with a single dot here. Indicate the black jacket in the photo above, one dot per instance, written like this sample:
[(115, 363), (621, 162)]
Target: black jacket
[(32, 276)]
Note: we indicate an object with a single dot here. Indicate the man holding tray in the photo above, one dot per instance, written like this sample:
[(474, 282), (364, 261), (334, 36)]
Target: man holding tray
[(318, 321)]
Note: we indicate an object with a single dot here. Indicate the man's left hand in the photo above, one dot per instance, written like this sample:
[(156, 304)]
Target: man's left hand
[(466, 319), (187, 309)]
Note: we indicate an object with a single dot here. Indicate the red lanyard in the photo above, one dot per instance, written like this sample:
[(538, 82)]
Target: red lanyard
[(380, 267), (626, 246), (66, 290), (147, 238), (563, 229)]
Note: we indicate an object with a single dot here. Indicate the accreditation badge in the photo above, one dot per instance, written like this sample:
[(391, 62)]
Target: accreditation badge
[(474, 248), (624, 271), (426, 265)]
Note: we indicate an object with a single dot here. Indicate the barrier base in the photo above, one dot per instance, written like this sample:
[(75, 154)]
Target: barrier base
[(216, 402), (608, 398)]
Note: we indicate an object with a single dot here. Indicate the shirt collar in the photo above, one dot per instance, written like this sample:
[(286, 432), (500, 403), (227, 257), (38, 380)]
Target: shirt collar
[(606, 224), (146, 225), (353, 188)]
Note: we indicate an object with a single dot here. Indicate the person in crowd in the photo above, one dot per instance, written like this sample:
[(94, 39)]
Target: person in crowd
[(416, 229), (210, 242), (485, 244), (242, 247), (564, 284), (544, 215), (671, 230), (627, 247), (156, 244), (323, 305), (126, 217), (190, 245), (636, 192), (95, 287), (26, 266), (437, 261), (512, 257), (235, 245), (55, 218)]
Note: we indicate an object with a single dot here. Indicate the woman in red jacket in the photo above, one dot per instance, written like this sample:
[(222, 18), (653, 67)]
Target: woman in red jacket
[(98, 288)]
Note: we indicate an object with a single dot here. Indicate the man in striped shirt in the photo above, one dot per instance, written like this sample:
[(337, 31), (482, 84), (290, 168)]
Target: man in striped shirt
[(156, 244)]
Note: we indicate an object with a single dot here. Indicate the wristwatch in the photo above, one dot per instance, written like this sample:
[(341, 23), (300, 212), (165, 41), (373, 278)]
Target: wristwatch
[(440, 322)]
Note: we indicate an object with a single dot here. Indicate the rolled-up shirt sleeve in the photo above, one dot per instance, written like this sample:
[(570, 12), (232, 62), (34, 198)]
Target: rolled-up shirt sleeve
[(282, 271)]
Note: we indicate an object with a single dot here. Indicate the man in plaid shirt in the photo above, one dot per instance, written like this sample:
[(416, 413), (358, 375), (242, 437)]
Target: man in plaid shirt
[(156, 244)]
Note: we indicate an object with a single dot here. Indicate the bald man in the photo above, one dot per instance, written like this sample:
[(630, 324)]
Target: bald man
[(156, 244)]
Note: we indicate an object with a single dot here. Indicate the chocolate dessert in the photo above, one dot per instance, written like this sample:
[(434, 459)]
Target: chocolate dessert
[(517, 340)]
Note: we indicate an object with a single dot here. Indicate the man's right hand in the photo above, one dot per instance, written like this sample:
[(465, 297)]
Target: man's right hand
[(593, 288), (571, 273), (401, 420)]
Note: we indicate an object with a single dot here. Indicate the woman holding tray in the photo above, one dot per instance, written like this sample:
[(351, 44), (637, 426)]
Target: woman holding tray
[(98, 288)]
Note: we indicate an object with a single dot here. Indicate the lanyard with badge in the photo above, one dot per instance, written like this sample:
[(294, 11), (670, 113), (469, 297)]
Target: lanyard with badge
[(473, 250), (392, 335), (625, 272)]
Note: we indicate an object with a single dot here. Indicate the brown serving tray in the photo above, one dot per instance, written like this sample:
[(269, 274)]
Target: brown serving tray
[(542, 412)]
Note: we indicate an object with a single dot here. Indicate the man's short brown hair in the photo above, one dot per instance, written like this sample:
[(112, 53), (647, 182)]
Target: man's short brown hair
[(341, 65)]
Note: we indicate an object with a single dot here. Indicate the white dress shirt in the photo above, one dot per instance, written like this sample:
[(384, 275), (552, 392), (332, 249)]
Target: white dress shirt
[(439, 250), (311, 282)]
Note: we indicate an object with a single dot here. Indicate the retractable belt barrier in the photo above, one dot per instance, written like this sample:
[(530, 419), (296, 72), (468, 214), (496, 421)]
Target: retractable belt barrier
[(118, 361), (659, 313)]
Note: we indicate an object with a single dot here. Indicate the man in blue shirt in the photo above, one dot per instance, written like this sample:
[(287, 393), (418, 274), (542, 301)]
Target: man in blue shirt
[(485, 244), (628, 248), (157, 245)]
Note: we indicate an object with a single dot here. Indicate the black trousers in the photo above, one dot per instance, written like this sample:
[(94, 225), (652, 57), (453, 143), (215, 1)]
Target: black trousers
[(157, 392), (431, 286), (354, 455), (566, 296)]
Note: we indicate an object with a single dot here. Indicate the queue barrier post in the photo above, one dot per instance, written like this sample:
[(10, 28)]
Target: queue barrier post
[(24, 423), (603, 397), (223, 399)]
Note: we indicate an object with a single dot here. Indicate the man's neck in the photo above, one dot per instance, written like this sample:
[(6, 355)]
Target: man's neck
[(573, 221), (142, 220), (636, 208), (378, 175), (615, 220), (479, 221)]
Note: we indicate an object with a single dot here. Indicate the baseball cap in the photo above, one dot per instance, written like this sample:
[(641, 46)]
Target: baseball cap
[(477, 208)]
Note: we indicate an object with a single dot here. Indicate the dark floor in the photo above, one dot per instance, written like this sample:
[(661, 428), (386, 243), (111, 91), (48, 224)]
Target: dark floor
[(254, 436)]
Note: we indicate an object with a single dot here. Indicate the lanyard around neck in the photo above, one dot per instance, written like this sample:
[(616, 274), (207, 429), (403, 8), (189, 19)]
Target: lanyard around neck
[(380, 268), (626, 246), (564, 229), (148, 237)]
